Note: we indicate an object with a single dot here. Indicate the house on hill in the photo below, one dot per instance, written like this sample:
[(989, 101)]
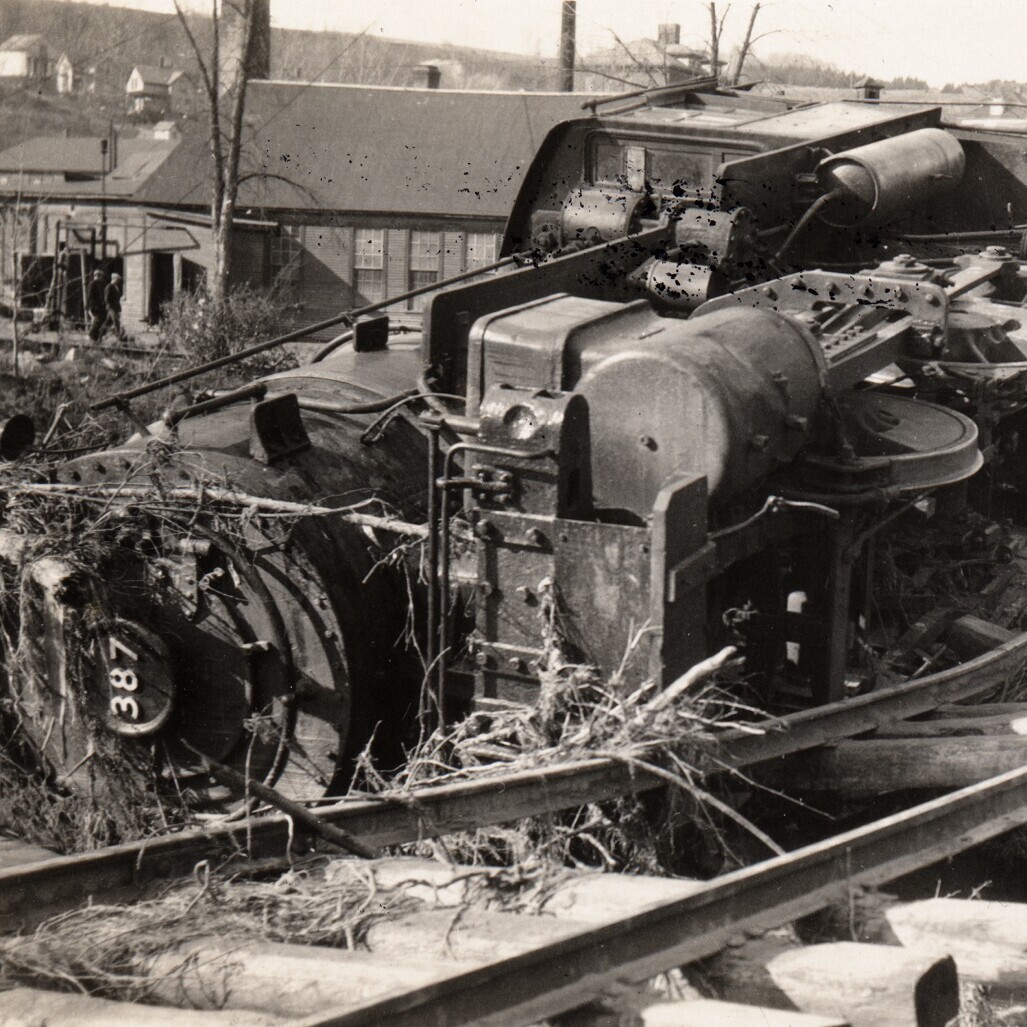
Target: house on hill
[(24, 58), (64, 75), (159, 90)]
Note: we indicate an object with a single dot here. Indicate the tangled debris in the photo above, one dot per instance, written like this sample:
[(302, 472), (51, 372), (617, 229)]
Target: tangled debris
[(577, 716), (110, 951)]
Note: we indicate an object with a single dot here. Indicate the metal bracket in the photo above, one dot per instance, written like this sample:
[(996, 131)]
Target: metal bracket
[(925, 301), (693, 571), (276, 428)]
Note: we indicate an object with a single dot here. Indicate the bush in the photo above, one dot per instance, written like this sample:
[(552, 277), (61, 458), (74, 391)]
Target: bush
[(203, 330)]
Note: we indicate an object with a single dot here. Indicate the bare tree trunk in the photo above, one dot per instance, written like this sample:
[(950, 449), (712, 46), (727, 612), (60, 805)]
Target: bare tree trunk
[(225, 141), (743, 51)]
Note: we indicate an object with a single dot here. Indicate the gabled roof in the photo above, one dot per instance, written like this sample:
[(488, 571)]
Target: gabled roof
[(363, 149), (56, 166), (79, 155), (20, 43), (155, 76)]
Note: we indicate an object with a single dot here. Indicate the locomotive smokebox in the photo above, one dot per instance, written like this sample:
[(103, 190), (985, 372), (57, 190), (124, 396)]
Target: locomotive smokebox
[(881, 180)]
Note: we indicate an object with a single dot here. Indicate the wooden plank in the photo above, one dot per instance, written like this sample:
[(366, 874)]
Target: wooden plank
[(574, 971), (988, 940), (872, 767), (712, 1013), (473, 935), (125, 871), (866, 984), (945, 711), (15, 853), (286, 980), (587, 896), (870, 985), (947, 727), (601, 898), (32, 1007), (968, 635)]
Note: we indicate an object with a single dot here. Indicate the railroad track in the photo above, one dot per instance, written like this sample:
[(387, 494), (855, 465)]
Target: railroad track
[(452, 962)]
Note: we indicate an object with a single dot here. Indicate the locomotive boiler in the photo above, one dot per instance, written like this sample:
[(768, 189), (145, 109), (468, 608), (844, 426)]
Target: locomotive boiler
[(705, 396)]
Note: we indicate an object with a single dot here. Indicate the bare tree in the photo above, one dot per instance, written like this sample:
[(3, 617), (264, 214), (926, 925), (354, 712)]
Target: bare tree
[(738, 62), (640, 69), (716, 34), (224, 87)]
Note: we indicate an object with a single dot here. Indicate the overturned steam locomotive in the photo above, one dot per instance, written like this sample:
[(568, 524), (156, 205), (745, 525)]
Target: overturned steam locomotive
[(711, 397)]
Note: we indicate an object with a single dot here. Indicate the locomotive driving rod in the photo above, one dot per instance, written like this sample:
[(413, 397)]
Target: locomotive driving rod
[(347, 316)]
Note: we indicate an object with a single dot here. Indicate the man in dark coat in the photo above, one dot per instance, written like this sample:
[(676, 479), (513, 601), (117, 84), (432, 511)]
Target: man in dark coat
[(112, 300), (96, 306)]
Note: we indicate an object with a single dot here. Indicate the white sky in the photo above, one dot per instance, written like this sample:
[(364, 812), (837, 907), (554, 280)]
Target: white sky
[(938, 40)]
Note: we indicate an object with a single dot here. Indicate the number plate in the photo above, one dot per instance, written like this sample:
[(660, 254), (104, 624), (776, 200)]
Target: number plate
[(134, 679)]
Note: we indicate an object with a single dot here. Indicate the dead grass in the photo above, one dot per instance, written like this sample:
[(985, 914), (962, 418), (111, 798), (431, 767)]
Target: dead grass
[(106, 950)]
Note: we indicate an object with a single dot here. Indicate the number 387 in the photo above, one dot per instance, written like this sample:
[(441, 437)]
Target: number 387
[(123, 680)]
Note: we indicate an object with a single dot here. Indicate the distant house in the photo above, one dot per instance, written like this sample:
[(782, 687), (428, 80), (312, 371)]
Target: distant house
[(351, 195), (157, 89), (24, 58), (868, 88), (64, 75), (644, 63)]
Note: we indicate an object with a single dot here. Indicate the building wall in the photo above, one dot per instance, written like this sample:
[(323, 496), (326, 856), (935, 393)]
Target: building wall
[(13, 64), (310, 259), (322, 282), (134, 234)]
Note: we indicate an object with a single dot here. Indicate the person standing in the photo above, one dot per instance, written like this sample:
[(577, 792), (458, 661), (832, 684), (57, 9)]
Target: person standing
[(96, 305), (112, 300)]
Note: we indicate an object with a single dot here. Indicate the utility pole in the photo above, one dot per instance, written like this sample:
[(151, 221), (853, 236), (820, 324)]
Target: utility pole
[(567, 34), (103, 201)]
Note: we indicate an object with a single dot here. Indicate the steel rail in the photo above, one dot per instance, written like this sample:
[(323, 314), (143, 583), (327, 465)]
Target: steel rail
[(562, 975), (125, 871)]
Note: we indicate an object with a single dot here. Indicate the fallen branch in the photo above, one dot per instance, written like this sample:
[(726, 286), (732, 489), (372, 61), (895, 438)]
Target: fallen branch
[(218, 494), (692, 676), (300, 814)]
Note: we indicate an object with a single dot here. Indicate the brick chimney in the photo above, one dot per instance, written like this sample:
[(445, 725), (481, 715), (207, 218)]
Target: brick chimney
[(668, 35), (232, 33), (425, 76), (260, 54)]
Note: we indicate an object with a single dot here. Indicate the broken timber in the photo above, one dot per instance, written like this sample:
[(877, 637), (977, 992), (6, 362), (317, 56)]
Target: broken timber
[(869, 985), (870, 767)]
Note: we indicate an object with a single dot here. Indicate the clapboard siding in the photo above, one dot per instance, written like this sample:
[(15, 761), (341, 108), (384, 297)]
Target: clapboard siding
[(325, 272)]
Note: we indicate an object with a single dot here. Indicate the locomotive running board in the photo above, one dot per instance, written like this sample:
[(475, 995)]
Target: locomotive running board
[(124, 871)]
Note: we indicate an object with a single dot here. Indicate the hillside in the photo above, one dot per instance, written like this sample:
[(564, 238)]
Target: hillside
[(117, 38)]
